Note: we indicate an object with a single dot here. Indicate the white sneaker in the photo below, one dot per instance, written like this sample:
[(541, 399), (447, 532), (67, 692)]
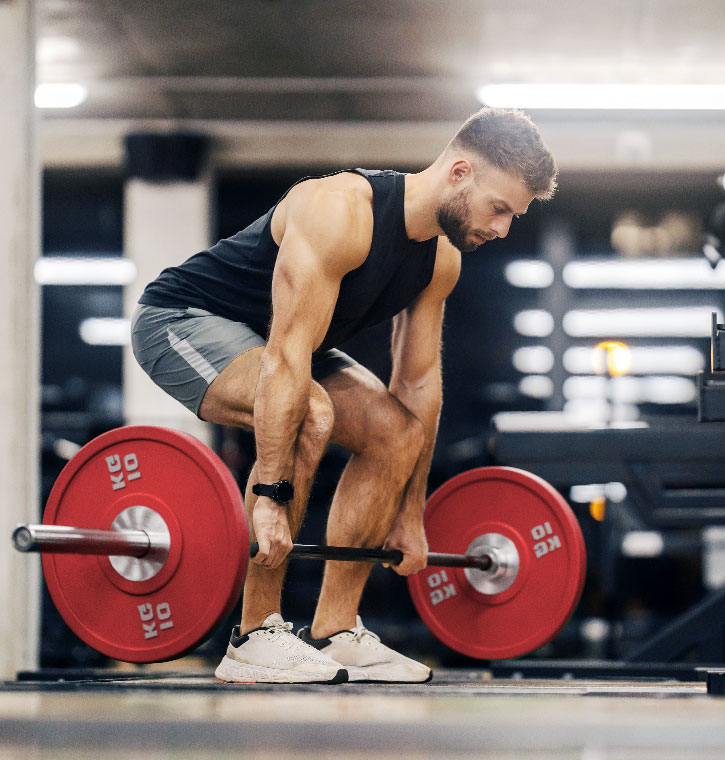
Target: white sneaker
[(366, 658), (273, 654)]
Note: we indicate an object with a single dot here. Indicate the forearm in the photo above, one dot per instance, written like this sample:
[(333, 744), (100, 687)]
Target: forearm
[(280, 405), (424, 401)]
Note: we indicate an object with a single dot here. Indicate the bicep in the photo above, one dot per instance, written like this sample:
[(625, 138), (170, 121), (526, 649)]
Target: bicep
[(304, 292), (319, 247)]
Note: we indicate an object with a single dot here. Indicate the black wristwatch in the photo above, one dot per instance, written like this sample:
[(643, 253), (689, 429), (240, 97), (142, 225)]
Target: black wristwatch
[(282, 491)]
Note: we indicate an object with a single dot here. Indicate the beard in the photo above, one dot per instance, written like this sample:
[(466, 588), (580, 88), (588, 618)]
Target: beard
[(454, 218)]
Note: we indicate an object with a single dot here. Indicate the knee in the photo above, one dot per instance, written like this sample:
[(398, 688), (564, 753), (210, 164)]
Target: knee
[(396, 435), (317, 424)]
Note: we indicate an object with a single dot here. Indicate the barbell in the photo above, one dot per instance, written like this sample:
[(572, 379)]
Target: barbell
[(163, 521)]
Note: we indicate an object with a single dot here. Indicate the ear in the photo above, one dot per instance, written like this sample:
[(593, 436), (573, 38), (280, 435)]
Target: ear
[(459, 171)]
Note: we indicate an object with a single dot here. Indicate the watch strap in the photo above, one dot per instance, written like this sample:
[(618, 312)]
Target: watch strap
[(282, 491)]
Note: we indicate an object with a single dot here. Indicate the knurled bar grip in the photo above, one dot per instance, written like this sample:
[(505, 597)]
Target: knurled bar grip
[(391, 556), (63, 539)]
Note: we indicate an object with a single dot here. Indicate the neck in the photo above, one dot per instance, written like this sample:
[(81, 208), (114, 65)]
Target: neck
[(422, 194)]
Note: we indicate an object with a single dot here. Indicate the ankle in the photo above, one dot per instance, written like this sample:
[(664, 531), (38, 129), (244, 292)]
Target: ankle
[(251, 621), (331, 626)]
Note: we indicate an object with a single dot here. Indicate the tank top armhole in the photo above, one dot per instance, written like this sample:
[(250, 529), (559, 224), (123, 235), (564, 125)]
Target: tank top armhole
[(267, 229)]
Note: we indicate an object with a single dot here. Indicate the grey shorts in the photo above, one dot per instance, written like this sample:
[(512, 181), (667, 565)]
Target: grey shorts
[(184, 350)]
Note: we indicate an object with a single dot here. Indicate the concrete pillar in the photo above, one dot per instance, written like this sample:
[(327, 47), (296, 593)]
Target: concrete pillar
[(166, 220), (19, 335)]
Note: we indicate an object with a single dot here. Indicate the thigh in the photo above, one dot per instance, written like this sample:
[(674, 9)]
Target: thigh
[(229, 400), (365, 410), (186, 352)]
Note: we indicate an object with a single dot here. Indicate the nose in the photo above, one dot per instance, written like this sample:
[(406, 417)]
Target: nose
[(501, 225)]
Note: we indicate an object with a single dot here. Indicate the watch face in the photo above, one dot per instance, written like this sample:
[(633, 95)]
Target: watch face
[(284, 491)]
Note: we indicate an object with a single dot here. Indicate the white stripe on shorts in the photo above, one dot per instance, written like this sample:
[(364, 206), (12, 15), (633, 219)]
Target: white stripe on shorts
[(192, 356)]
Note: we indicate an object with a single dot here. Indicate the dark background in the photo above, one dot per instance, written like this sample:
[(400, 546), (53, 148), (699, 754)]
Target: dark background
[(82, 384)]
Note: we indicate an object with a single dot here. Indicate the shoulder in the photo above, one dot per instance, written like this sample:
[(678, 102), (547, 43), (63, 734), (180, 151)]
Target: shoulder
[(331, 213)]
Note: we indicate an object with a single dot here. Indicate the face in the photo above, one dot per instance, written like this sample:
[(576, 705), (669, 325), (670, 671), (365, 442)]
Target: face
[(475, 212)]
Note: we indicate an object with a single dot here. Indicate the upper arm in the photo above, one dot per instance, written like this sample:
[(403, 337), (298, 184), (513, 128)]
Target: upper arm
[(417, 329), (324, 238)]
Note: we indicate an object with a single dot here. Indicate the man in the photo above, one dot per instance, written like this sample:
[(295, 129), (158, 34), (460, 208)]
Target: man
[(244, 334)]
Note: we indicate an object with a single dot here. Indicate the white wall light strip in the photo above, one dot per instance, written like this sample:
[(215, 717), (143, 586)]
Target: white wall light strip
[(534, 323), (645, 360), (583, 418), (598, 412), (536, 386), (105, 331), (77, 270), (643, 543), (631, 390), (682, 322), (535, 360), (584, 494), (527, 273), (645, 274), (669, 97)]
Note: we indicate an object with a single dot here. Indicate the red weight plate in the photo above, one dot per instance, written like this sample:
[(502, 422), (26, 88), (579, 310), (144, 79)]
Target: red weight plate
[(532, 515), (189, 486)]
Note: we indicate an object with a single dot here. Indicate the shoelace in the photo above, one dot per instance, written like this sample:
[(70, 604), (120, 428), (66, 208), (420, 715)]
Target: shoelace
[(359, 633), (277, 630)]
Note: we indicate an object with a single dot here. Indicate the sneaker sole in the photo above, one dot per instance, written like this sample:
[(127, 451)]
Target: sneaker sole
[(383, 675), (230, 671)]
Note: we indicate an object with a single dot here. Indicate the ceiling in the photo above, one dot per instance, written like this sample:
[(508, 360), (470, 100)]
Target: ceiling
[(358, 65)]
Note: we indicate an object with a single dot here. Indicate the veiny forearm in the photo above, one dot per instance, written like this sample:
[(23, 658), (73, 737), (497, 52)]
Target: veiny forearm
[(424, 401), (280, 405)]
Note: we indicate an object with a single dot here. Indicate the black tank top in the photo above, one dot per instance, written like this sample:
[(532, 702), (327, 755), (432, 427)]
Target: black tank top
[(234, 277)]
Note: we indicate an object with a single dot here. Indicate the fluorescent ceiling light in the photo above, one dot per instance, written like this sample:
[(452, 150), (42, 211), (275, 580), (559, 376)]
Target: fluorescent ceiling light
[(106, 331), (528, 273), (687, 97), (54, 48), (76, 270), (60, 95), (646, 274), (689, 322), (534, 323)]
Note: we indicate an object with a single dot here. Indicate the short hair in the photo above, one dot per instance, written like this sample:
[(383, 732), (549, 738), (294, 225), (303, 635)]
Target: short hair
[(507, 139)]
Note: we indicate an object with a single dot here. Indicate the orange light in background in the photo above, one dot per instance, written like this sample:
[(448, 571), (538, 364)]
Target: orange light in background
[(617, 359), (597, 508)]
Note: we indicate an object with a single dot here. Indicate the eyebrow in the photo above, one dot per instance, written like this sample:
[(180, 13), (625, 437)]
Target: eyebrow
[(507, 208)]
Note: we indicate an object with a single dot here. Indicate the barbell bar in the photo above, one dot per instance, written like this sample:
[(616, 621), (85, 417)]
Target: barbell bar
[(166, 521), (65, 539)]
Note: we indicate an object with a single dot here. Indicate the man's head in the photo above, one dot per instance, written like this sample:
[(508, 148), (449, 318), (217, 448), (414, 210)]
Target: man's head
[(495, 166)]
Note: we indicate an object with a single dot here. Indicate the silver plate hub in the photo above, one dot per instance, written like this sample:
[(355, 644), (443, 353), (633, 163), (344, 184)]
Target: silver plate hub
[(501, 575), (143, 568)]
